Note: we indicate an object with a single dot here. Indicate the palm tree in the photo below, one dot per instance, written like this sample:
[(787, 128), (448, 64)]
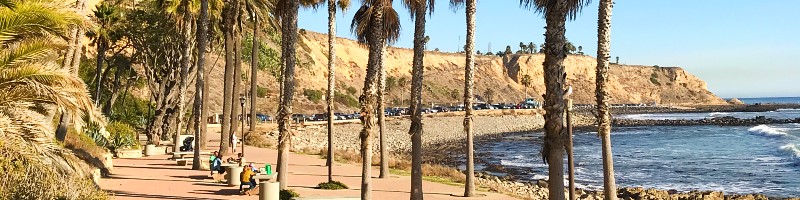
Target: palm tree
[(469, 81), (198, 111), (332, 5), (526, 81), (31, 78), (107, 16), (555, 12), (288, 15), (417, 9), (603, 114), (375, 23), (229, 21), (184, 11)]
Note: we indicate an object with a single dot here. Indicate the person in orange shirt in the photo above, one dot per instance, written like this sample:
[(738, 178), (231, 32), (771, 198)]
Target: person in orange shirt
[(247, 178)]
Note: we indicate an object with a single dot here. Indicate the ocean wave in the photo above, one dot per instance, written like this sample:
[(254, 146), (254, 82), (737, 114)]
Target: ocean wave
[(718, 113), (791, 148), (767, 131)]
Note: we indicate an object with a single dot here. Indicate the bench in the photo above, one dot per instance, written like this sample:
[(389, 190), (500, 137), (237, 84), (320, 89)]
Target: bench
[(183, 161)]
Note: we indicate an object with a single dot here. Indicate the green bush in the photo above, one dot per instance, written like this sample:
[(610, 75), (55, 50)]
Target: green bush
[(654, 81), (345, 99), (351, 90), (92, 131), (332, 185), (313, 95), (132, 111), (261, 92), (288, 194), (122, 137)]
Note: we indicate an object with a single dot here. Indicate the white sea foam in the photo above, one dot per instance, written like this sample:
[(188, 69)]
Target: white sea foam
[(791, 148), (766, 131), (713, 114)]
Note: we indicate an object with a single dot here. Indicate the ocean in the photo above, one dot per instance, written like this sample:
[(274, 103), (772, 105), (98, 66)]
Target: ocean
[(734, 159), (771, 100)]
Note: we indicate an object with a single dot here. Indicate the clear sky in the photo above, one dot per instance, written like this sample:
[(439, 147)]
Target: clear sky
[(740, 48)]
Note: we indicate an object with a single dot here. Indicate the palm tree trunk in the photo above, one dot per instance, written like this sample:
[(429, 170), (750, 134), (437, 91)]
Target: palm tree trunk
[(469, 73), (416, 101), (367, 99), (186, 61), (236, 110), (384, 172), (288, 43), (198, 112), (227, 104), (604, 127), (254, 76), (554, 75), (331, 82), (101, 55)]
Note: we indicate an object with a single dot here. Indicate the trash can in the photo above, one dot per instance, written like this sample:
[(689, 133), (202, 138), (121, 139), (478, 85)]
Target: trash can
[(234, 175), (269, 190), (150, 150)]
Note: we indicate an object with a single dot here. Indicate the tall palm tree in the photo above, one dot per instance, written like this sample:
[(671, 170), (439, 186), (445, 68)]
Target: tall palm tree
[(469, 81), (184, 11), (603, 114), (332, 6), (288, 16), (555, 12), (198, 111), (258, 12), (375, 23), (229, 21), (107, 15), (418, 10), (72, 58)]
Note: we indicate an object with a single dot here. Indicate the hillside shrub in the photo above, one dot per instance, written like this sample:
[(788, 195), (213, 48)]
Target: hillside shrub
[(313, 95), (351, 90), (345, 99), (261, 92), (131, 110)]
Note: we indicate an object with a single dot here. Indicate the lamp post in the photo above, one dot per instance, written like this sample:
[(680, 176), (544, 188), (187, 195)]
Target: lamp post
[(241, 100)]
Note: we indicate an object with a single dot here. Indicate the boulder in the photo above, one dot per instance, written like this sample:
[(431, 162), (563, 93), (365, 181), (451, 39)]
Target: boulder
[(735, 101)]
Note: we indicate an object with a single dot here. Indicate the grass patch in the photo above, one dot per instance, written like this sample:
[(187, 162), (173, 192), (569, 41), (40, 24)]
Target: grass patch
[(332, 185), (313, 95), (345, 99)]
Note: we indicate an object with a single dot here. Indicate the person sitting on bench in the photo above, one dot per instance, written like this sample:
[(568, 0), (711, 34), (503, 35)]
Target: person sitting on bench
[(216, 165), (247, 178)]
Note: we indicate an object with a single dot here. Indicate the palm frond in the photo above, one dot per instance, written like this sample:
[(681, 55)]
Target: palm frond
[(31, 18), (7, 3), (361, 24), (25, 52), (573, 7), (414, 5)]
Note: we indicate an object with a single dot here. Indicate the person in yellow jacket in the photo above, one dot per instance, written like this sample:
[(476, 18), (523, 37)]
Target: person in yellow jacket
[(247, 178)]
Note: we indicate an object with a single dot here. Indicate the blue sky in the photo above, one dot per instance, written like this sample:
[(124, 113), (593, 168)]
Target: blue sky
[(740, 48)]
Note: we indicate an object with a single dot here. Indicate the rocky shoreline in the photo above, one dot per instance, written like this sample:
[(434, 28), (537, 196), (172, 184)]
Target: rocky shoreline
[(444, 138)]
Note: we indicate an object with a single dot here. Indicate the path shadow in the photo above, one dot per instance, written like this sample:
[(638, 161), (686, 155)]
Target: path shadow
[(325, 175), (211, 184), (309, 165), (226, 192), (153, 196), (142, 167), (409, 192), (195, 177)]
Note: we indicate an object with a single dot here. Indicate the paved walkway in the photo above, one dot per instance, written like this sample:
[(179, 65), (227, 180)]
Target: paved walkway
[(156, 177)]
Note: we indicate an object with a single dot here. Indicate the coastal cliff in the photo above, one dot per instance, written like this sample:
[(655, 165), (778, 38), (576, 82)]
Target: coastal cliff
[(497, 79)]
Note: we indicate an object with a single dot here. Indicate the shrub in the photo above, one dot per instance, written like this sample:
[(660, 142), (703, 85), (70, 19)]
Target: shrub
[(345, 99), (313, 95), (261, 92), (351, 90), (122, 137), (654, 81), (332, 185), (132, 111), (288, 194)]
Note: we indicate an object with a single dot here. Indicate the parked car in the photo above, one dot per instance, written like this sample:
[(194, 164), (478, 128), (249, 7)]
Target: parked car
[(456, 108), (297, 118), (263, 117), (441, 109), (319, 117), (340, 116)]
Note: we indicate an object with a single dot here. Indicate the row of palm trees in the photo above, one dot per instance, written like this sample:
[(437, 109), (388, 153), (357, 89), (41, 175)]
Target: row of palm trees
[(376, 24)]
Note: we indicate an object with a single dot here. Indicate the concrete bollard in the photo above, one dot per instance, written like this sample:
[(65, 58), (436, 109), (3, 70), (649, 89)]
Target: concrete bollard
[(269, 190), (234, 176)]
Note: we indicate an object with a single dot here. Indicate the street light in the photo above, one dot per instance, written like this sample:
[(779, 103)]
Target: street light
[(241, 100)]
